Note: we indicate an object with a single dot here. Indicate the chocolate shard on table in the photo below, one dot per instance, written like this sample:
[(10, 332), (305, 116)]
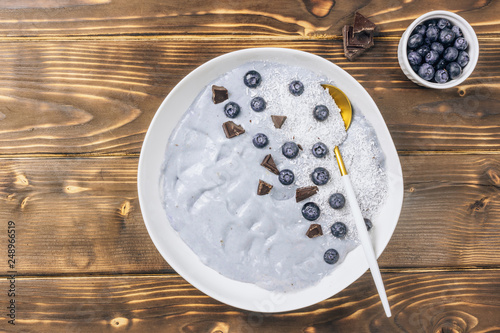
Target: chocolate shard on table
[(219, 94), (314, 230), (350, 53), (264, 188), (303, 193), (269, 164), (278, 121), (362, 39), (361, 23), (231, 129)]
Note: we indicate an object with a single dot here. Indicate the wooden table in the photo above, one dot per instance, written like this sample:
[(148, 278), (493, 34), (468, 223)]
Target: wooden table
[(80, 81)]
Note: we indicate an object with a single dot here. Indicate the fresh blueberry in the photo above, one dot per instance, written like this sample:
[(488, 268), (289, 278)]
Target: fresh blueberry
[(286, 177), (331, 256), (252, 79), (260, 140), (310, 211), (432, 33), (336, 201), (446, 36), (450, 54), (321, 112), (432, 57), (290, 149), (419, 29), (454, 70), (414, 58), (457, 31), (368, 224), (463, 59), (415, 68), (431, 22), (231, 109), (438, 47), (441, 76), (339, 229), (441, 64), (443, 23), (426, 71), (319, 149), (258, 104), (296, 88), (320, 176), (423, 50), (461, 43), (415, 41)]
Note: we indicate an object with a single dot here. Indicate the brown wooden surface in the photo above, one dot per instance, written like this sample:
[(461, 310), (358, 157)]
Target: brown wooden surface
[(80, 81)]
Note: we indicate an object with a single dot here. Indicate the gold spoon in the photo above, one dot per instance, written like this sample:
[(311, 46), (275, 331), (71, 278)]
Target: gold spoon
[(346, 113)]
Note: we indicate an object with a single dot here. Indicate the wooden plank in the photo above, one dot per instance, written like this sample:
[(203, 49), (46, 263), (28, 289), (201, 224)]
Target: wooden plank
[(198, 18), (79, 216), (467, 301), (99, 97)]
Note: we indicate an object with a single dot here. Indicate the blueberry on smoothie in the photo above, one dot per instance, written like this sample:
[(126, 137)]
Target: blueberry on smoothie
[(296, 88), (368, 224), (258, 104), (319, 149), (320, 176), (331, 256), (286, 177), (432, 57), (339, 229), (290, 149), (426, 72), (432, 33), (454, 70), (232, 110), (450, 54), (260, 140), (252, 79), (414, 58), (463, 59), (441, 76), (337, 201), (415, 41), (310, 211), (320, 112), (438, 47)]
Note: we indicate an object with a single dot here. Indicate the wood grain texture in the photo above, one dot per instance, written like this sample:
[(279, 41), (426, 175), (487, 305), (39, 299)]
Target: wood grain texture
[(82, 216), (468, 301), (197, 18), (99, 97)]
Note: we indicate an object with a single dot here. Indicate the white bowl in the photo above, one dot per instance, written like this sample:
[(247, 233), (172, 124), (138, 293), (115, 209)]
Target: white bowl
[(184, 260), (469, 35)]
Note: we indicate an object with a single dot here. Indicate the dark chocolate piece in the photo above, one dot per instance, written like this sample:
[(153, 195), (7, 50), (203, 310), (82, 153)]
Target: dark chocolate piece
[(278, 121), (269, 164), (305, 192), (264, 188), (219, 94), (314, 230), (361, 23), (300, 147), (231, 129), (362, 39), (350, 53)]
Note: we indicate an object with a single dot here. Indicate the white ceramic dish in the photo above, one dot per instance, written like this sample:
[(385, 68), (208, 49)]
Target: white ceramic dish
[(469, 35), (179, 255)]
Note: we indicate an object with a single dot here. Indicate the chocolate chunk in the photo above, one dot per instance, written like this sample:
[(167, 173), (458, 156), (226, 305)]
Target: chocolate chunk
[(219, 94), (305, 192), (264, 188), (231, 129), (362, 39), (300, 147), (361, 23), (269, 164), (350, 53), (314, 231), (278, 121)]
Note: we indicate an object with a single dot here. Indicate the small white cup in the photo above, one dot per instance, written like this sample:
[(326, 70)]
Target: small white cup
[(468, 34)]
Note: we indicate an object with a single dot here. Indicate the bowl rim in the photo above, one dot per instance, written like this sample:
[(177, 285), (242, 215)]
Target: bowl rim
[(467, 31)]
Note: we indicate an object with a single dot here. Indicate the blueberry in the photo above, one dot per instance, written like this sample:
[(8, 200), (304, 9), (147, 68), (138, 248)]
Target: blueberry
[(231, 109), (331, 256), (450, 54), (446, 36), (321, 112), (457, 31), (443, 23), (414, 58), (260, 140), (415, 41), (296, 88), (320, 176), (461, 43), (441, 64), (438, 47), (368, 224), (463, 59), (441, 76), (290, 149), (423, 50), (336, 201), (286, 177), (431, 22), (252, 79), (319, 149), (426, 71), (432, 57), (415, 68), (454, 70), (419, 29), (258, 104), (339, 229), (432, 33), (310, 211)]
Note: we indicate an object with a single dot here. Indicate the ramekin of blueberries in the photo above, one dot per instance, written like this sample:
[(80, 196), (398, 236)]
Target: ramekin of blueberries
[(438, 50)]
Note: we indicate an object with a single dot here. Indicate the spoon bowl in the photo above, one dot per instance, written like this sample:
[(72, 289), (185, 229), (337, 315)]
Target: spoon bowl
[(342, 102)]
